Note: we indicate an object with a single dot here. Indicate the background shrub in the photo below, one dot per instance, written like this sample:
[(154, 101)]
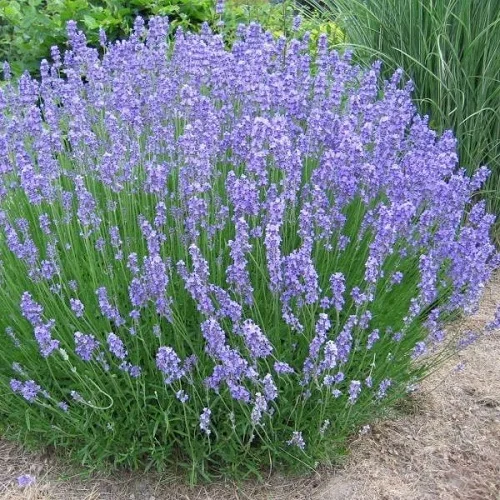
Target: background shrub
[(220, 259), (277, 17), (29, 28), (450, 50)]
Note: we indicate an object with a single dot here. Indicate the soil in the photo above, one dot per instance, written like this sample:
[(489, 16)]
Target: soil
[(446, 445)]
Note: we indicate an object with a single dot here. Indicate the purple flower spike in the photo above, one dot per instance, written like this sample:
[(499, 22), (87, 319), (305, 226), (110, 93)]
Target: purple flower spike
[(297, 440), (219, 6), (372, 338), (354, 390), (85, 345), (258, 344), (495, 323), (259, 408), (182, 396), (29, 390), (337, 286), (169, 364), (31, 310), (107, 309), (63, 406), (283, 368), (116, 346), (297, 21), (44, 338), (77, 307), (205, 418), (383, 387)]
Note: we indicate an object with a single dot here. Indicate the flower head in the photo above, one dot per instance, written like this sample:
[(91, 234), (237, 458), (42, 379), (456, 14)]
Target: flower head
[(25, 480)]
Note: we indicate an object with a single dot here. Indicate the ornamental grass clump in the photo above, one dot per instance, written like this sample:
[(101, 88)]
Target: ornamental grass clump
[(223, 260)]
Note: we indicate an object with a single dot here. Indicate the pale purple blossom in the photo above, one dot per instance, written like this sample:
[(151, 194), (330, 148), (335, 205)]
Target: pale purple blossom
[(63, 406), (297, 440), (297, 21), (169, 363), (26, 480), (383, 387), (30, 309), (205, 418), (283, 368), (337, 286), (182, 396), (133, 370), (77, 307), (29, 390), (108, 310), (354, 391), (116, 346), (259, 408), (372, 338), (270, 388), (257, 342), (219, 6), (85, 345), (76, 396), (43, 336), (495, 323)]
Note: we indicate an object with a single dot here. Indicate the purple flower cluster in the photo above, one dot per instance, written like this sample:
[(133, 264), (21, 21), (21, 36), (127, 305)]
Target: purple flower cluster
[(259, 205), (33, 311), (26, 480), (354, 391), (77, 307), (297, 440), (108, 310), (29, 390), (259, 408), (205, 418), (258, 344), (43, 335), (116, 346), (85, 345), (219, 6), (169, 363), (383, 387), (495, 323), (231, 367)]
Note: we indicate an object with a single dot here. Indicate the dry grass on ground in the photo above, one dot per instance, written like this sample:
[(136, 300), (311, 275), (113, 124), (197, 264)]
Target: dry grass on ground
[(447, 446)]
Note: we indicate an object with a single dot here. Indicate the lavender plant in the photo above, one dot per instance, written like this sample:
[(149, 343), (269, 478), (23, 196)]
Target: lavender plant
[(222, 259)]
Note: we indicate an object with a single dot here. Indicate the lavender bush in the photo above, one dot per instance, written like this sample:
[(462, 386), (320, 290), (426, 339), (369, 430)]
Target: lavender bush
[(223, 259)]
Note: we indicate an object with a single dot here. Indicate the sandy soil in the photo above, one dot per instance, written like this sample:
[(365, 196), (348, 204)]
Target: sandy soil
[(446, 446)]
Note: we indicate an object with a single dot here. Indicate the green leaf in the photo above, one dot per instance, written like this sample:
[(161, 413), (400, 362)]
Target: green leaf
[(11, 11), (90, 22), (27, 418)]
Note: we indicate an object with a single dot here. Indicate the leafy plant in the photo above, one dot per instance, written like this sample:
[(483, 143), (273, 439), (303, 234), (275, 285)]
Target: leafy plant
[(277, 18), (29, 28), (223, 259), (450, 50)]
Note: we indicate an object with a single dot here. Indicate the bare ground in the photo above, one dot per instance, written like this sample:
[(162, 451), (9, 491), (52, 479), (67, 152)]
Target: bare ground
[(447, 446)]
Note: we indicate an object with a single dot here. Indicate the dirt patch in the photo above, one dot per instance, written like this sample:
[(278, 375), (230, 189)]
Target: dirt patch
[(447, 446)]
